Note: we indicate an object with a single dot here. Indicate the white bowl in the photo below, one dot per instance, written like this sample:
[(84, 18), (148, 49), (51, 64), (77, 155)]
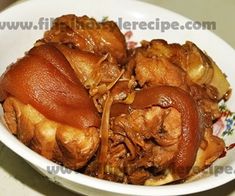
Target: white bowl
[(15, 42)]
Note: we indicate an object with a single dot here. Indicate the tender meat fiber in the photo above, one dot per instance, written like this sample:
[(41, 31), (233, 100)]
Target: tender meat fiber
[(200, 68), (158, 71), (142, 141), (89, 35), (158, 63), (91, 69), (164, 125)]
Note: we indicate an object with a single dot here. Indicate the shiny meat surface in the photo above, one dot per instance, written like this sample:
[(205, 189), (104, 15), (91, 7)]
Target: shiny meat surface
[(46, 81)]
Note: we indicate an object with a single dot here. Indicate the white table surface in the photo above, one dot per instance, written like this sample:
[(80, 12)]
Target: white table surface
[(18, 178)]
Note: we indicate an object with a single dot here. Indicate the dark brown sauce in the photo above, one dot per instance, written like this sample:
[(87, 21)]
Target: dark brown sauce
[(227, 148), (231, 146)]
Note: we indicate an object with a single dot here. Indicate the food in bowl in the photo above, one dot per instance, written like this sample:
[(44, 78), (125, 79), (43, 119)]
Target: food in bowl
[(144, 115)]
